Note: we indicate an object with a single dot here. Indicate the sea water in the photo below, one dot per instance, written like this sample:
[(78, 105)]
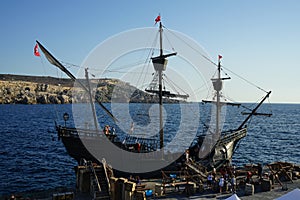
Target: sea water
[(33, 159)]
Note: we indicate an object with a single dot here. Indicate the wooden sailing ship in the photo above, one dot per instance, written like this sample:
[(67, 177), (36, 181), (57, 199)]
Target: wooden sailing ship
[(221, 145)]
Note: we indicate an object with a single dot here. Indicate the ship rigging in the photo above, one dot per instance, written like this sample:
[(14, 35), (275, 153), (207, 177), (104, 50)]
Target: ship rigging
[(217, 147)]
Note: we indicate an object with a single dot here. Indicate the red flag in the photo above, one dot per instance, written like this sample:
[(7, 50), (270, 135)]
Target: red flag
[(157, 19), (36, 50), (220, 57)]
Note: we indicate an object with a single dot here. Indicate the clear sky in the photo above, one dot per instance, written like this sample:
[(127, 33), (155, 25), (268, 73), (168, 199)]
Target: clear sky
[(259, 40)]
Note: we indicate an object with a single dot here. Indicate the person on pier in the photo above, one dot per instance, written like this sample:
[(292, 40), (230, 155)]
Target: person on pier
[(187, 155), (221, 183), (210, 178)]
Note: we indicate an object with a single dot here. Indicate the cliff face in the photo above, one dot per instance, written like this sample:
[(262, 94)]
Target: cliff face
[(15, 89), (24, 92)]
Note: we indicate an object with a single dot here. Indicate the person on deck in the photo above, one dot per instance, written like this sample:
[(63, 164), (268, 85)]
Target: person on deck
[(259, 170), (138, 147), (249, 177), (106, 130)]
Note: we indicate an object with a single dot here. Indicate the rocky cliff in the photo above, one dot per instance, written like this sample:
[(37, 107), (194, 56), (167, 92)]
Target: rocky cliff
[(15, 89), (18, 89)]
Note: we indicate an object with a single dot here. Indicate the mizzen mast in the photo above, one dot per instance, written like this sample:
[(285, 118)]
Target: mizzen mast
[(91, 99)]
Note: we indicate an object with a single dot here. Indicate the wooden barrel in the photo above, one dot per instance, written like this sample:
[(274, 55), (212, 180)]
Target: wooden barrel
[(159, 190), (296, 175), (113, 187), (139, 195), (266, 185), (200, 188), (249, 189), (129, 190)]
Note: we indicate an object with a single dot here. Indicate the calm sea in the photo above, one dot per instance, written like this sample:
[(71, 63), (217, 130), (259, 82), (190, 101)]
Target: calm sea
[(33, 159)]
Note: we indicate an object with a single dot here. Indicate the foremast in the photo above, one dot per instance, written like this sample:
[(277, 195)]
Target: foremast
[(218, 85), (241, 131)]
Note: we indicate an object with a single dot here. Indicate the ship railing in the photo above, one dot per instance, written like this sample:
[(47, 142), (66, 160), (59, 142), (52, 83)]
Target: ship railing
[(150, 144), (235, 135), (78, 132)]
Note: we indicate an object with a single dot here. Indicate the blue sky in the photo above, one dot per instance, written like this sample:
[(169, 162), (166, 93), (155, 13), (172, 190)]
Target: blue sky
[(259, 40)]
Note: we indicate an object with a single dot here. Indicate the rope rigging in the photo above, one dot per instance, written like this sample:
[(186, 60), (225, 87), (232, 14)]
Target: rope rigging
[(246, 80), (174, 85), (215, 64), (146, 62), (164, 81)]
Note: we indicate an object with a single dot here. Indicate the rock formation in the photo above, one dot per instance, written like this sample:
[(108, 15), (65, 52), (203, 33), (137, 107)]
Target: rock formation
[(17, 89)]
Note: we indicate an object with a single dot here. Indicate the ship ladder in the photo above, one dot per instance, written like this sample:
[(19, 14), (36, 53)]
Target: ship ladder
[(99, 184)]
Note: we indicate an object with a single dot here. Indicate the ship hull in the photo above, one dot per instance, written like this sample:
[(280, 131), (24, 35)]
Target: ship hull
[(220, 155)]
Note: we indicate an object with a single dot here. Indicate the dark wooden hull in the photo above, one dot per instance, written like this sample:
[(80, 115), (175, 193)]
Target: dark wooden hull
[(221, 153)]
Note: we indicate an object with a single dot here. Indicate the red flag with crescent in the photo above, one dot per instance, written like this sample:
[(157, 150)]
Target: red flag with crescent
[(157, 19), (36, 50)]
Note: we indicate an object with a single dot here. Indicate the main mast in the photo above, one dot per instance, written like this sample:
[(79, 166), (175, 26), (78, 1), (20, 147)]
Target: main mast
[(160, 64), (218, 88), (160, 70)]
